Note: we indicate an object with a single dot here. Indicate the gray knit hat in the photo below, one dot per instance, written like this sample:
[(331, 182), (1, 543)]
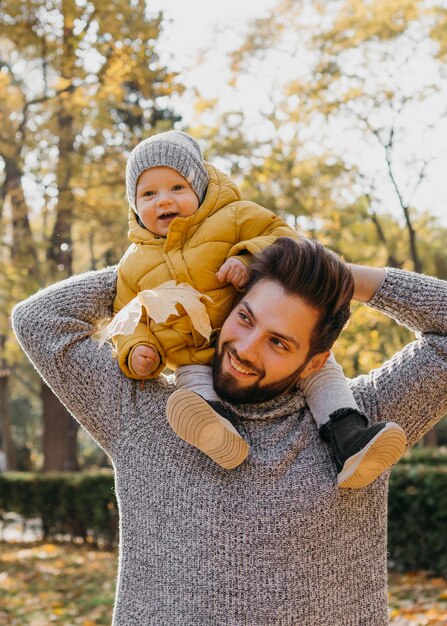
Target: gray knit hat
[(173, 149)]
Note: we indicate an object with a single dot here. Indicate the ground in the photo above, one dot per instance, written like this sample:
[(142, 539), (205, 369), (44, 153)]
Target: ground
[(71, 585)]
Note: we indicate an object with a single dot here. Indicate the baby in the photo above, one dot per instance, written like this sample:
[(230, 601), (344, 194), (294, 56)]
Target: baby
[(187, 222)]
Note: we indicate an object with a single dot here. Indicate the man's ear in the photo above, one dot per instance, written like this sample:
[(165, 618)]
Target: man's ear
[(315, 364)]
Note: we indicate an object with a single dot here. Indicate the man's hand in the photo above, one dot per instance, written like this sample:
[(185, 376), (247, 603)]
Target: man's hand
[(144, 360), (235, 272)]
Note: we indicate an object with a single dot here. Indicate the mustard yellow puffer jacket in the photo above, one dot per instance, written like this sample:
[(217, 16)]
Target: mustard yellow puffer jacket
[(193, 251)]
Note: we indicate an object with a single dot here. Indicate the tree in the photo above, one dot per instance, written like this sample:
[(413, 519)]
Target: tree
[(348, 135), (354, 96), (81, 83)]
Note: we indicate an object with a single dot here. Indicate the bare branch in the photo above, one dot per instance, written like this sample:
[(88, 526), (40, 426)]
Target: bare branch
[(421, 176), (88, 22), (405, 207), (388, 151), (69, 89), (373, 216), (18, 83), (3, 192), (106, 183)]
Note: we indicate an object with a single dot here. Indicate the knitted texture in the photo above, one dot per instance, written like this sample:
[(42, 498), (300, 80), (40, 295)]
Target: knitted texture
[(173, 149), (273, 542)]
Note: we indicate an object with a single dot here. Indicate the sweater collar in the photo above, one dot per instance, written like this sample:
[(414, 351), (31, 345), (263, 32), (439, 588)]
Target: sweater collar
[(286, 404)]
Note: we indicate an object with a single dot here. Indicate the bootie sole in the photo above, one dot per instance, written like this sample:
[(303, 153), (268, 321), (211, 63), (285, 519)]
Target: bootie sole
[(383, 451), (196, 422)]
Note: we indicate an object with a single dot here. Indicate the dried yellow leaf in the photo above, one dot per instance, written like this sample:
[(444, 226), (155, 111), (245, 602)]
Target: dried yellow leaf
[(160, 303)]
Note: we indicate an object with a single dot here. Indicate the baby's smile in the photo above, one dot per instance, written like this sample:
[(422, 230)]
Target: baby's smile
[(166, 217)]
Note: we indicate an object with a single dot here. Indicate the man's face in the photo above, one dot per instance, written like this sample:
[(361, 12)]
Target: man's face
[(263, 345)]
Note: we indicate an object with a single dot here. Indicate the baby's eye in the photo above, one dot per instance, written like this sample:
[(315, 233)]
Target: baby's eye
[(178, 187), (148, 193)]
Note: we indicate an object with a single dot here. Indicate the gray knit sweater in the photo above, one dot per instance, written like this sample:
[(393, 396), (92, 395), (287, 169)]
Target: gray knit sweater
[(274, 542)]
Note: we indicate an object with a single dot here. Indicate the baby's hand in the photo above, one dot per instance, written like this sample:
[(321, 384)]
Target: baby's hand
[(233, 271), (144, 360)]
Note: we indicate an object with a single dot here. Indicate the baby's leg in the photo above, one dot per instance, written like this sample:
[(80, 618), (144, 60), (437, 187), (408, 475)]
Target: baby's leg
[(197, 416), (361, 452), (327, 391), (197, 378)]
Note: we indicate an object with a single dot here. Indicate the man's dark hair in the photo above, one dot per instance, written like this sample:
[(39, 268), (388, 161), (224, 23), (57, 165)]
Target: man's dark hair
[(308, 270)]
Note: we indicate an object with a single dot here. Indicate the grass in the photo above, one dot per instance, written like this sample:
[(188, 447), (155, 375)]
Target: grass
[(50, 583), (417, 599), (47, 583)]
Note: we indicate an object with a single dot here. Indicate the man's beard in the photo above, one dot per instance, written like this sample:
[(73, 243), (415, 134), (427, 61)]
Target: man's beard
[(227, 387)]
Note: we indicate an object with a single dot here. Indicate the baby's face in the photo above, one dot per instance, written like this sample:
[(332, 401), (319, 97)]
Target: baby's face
[(162, 195)]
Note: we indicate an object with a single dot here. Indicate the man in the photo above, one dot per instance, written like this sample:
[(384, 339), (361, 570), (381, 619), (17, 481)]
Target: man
[(252, 364), (274, 542)]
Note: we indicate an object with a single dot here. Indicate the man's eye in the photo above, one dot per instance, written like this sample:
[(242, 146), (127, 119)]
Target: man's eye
[(243, 317), (278, 343)]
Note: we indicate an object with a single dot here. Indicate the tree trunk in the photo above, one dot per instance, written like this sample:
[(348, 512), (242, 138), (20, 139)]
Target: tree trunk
[(417, 264), (60, 251), (24, 257), (7, 444), (60, 429), (23, 249), (392, 261), (59, 438), (430, 439)]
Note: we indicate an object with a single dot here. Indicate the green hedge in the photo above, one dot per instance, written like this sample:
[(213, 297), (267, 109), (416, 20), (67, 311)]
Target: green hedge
[(83, 505), (428, 456), (417, 506), (417, 517), (78, 504)]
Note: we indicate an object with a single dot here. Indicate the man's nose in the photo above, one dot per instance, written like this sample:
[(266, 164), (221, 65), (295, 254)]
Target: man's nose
[(247, 348)]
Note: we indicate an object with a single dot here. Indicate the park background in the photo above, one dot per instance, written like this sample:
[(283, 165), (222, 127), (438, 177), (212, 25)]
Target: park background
[(331, 114)]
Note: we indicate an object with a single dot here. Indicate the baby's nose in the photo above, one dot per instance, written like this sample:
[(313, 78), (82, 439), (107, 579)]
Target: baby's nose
[(164, 199)]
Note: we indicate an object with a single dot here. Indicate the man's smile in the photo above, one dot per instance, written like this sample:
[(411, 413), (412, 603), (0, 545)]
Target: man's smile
[(236, 368)]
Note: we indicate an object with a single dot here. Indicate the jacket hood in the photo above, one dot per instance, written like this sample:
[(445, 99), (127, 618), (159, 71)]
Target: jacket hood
[(221, 191)]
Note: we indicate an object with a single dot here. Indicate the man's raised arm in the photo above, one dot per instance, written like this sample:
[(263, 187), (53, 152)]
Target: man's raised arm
[(410, 388), (54, 328)]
